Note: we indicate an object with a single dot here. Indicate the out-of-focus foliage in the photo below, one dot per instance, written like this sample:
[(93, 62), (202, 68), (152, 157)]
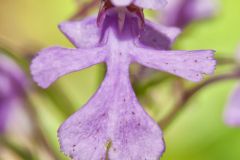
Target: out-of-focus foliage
[(198, 133)]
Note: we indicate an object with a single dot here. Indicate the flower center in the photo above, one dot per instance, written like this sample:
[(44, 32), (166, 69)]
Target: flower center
[(107, 5)]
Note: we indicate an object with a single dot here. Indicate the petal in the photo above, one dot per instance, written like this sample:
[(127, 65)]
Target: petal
[(13, 83), (203, 8), (121, 3), (237, 57), (83, 34), (150, 4), (182, 12), (52, 63), (190, 65), (157, 36), (12, 71), (6, 86), (4, 112), (112, 124), (232, 112)]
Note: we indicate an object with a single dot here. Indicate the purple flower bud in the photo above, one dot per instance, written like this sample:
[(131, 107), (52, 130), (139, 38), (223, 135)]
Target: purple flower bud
[(180, 13), (12, 83), (113, 123), (232, 112)]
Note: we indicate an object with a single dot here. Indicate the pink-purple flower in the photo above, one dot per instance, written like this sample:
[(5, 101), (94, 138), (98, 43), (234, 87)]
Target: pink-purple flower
[(232, 111), (113, 124), (12, 84), (180, 13)]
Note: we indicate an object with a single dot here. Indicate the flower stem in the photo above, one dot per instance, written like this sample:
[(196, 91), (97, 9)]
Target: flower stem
[(181, 104), (21, 152), (38, 130)]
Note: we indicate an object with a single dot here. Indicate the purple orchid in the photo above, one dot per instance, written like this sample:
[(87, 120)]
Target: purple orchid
[(232, 111), (12, 83), (113, 124), (180, 13)]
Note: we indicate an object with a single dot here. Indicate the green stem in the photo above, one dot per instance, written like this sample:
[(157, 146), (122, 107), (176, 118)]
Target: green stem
[(38, 132), (19, 151), (181, 104)]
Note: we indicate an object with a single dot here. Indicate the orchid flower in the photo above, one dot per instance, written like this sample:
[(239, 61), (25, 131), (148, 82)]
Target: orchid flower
[(12, 83), (232, 111), (113, 125), (180, 13)]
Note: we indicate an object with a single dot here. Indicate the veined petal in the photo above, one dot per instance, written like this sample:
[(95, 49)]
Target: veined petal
[(150, 4), (83, 34), (158, 36), (112, 124), (232, 112), (190, 65), (54, 62)]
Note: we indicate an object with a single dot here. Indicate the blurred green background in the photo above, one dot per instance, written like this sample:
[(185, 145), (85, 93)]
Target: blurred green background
[(198, 133)]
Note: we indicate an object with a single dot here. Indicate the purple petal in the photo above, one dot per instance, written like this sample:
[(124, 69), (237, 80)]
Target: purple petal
[(145, 4), (150, 4), (52, 63), (232, 112), (112, 124), (121, 3), (4, 112), (157, 36), (13, 84), (190, 65), (11, 70), (83, 34), (180, 13), (13, 81)]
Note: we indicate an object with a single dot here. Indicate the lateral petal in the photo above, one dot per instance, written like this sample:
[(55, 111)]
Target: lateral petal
[(158, 36), (54, 62), (83, 34), (190, 65)]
